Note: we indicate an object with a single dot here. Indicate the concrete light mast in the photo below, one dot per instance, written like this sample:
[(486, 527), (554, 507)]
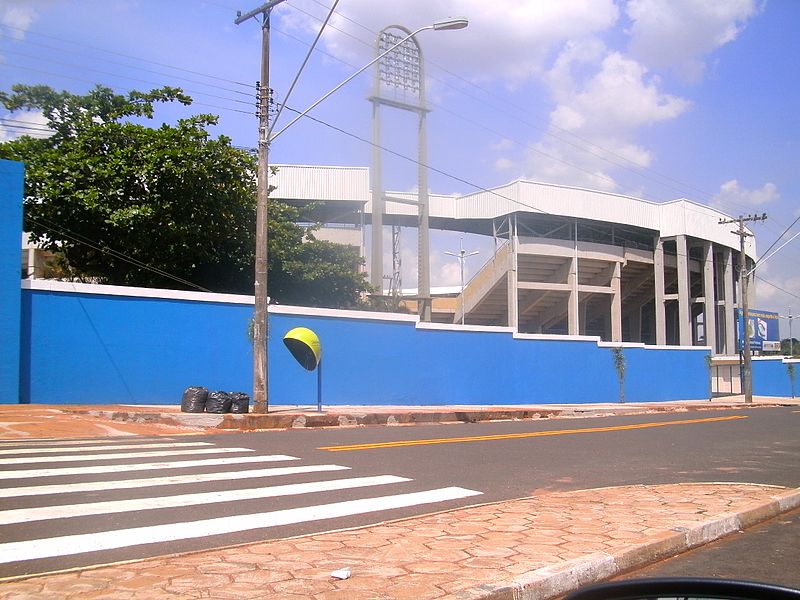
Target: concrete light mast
[(400, 83)]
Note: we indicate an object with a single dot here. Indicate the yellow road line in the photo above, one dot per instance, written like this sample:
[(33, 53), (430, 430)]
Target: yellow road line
[(511, 436)]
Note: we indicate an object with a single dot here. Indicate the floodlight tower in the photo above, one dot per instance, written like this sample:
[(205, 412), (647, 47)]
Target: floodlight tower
[(399, 82)]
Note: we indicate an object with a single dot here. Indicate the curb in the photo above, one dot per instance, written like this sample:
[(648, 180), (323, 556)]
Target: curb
[(299, 420), (554, 581)]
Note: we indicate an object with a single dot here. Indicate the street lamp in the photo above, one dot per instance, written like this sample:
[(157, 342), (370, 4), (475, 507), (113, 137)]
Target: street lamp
[(265, 138), (449, 24), (462, 256)]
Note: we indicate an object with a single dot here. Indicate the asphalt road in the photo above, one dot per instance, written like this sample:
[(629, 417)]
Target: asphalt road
[(767, 553), (424, 469)]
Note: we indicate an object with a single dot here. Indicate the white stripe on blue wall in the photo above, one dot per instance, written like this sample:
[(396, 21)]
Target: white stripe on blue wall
[(108, 540)]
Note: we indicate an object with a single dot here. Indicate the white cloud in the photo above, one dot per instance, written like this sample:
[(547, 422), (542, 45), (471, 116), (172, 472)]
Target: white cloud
[(503, 164), (605, 97), (449, 274), (680, 34), (733, 197), (31, 123), (507, 40), (502, 145), (17, 18)]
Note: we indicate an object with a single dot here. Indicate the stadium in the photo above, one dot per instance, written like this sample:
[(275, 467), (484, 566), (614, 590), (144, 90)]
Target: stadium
[(566, 261)]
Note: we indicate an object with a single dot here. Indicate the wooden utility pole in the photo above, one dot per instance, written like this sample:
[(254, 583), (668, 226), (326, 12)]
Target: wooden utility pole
[(260, 315), (747, 370)]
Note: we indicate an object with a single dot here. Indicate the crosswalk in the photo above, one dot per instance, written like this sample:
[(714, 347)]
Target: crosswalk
[(78, 502)]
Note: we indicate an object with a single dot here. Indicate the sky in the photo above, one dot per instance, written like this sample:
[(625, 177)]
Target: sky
[(658, 99)]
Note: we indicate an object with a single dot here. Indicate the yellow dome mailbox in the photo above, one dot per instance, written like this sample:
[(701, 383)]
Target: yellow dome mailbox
[(304, 346), (306, 349)]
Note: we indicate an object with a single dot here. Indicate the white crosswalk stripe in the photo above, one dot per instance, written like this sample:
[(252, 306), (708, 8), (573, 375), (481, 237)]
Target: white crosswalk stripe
[(30, 460), (95, 486), (156, 466), (120, 538), (62, 511), (61, 508), (62, 449)]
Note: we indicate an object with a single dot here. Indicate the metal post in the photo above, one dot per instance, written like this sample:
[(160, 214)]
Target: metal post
[(319, 386)]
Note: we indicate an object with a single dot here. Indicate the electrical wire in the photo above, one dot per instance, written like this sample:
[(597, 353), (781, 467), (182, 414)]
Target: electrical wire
[(122, 54), (105, 249), (94, 82), (148, 82), (357, 137), (637, 169)]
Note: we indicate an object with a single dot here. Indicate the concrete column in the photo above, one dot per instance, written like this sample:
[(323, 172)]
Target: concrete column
[(513, 292), (513, 300), (710, 314), (572, 318), (730, 320), (684, 314), (661, 315), (616, 304)]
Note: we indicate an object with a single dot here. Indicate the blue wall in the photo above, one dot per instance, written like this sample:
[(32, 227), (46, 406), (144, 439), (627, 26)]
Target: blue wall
[(771, 378), (11, 182), (94, 348), (84, 348)]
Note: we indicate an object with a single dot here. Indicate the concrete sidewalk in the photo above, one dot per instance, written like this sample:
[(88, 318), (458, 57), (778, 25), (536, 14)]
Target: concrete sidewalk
[(536, 547)]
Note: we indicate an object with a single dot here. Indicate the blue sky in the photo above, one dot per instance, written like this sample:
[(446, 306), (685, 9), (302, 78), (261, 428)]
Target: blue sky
[(659, 99)]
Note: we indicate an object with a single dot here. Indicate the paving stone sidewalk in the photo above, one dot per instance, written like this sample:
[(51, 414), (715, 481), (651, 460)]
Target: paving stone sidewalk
[(538, 547)]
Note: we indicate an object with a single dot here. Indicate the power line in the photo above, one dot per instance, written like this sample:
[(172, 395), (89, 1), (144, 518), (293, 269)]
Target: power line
[(102, 72), (130, 66), (777, 287), (94, 82), (637, 169), (105, 249), (97, 49)]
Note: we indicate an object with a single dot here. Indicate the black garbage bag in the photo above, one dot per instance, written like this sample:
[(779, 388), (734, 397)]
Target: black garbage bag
[(194, 399), (218, 402), (240, 402)]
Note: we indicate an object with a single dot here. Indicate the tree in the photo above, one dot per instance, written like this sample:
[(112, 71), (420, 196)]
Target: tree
[(129, 204), (790, 346)]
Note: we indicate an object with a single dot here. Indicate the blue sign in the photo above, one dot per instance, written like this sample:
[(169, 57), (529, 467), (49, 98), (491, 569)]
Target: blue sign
[(762, 327)]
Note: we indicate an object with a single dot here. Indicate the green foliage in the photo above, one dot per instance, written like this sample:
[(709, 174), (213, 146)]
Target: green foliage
[(790, 347), (171, 198), (619, 366), (791, 370)]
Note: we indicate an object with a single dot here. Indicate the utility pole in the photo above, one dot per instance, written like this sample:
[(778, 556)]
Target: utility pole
[(260, 315), (747, 370)]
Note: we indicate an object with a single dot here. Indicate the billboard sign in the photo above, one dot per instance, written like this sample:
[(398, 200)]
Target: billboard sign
[(762, 327)]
